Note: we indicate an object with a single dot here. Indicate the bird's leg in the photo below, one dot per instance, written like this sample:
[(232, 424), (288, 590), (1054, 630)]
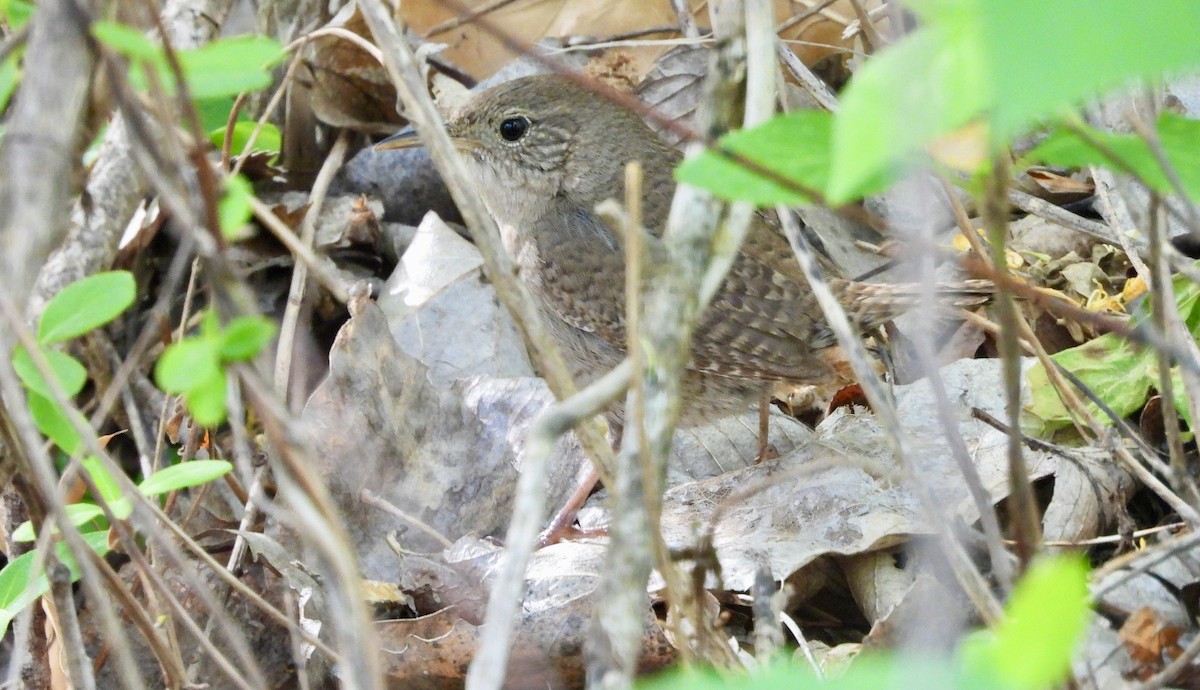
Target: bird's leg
[(562, 526), (765, 450)]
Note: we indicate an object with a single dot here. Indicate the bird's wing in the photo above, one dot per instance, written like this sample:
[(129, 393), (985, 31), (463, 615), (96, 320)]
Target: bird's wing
[(763, 323), (581, 275)]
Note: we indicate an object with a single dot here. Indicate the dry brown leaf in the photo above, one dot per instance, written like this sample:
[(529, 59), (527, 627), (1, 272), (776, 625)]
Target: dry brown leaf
[(480, 53), (350, 88), (1149, 639), (1055, 183)]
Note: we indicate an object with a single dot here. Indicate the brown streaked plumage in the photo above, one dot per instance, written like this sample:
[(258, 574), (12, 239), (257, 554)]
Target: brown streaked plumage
[(544, 152)]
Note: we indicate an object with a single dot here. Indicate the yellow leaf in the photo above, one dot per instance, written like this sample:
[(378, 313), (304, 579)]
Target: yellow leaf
[(1134, 287)]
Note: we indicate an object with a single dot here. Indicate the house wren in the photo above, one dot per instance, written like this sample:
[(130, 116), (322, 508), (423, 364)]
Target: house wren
[(544, 152)]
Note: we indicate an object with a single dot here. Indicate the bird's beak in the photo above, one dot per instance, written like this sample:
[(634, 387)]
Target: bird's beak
[(406, 139)]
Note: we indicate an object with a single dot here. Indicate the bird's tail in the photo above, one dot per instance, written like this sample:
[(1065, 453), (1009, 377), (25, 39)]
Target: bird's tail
[(870, 305)]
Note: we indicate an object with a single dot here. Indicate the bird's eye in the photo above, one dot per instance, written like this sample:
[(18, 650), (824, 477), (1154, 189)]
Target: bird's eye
[(514, 128)]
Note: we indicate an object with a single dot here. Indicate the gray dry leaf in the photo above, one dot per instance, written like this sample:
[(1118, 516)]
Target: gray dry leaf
[(549, 633), (841, 494), (442, 313), (445, 455)]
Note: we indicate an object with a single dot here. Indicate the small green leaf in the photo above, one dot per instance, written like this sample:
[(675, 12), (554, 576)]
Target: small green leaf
[(86, 304), (245, 337), (70, 373), (53, 421), (234, 209), (214, 112), (110, 491), (268, 139), (206, 401), (79, 513), (1046, 617), (127, 41), (16, 591), (22, 581), (17, 13), (10, 75), (230, 66), (184, 475), (188, 363), (794, 146), (876, 672)]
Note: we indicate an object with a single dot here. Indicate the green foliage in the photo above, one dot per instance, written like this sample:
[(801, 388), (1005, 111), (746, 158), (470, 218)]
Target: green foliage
[(234, 209), (184, 475), (903, 99), (67, 370), (80, 514), (195, 366), (224, 67), (23, 580), (1031, 649), (269, 139), (86, 305), (10, 76), (55, 422), (107, 486), (16, 13), (1065, 147), (1082, 48), (1046, 617), (805, 136), (1119, 372), (80, 307), (969, 63)]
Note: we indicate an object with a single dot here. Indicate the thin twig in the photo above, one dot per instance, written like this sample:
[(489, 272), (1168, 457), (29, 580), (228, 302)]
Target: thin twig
[(968, 576), (1026, 523), (488, 668)]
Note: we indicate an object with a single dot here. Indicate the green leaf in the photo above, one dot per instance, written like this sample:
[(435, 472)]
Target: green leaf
[(184, 475), (86, 304), (245, 337), (900, 101), (110, 491), (1046, 618), (70, 373), (128, 41), (268, 139), (230, 66), (880, 672), (214, 112), (1119, 372), (22, 581), (1082, 48), (16, 589), (79, 513), (794, 146), (17, 13), (1178, 135), (234, 209), (10, 75), (225, 67), (206, 401), (188, 363), (53, 421)]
